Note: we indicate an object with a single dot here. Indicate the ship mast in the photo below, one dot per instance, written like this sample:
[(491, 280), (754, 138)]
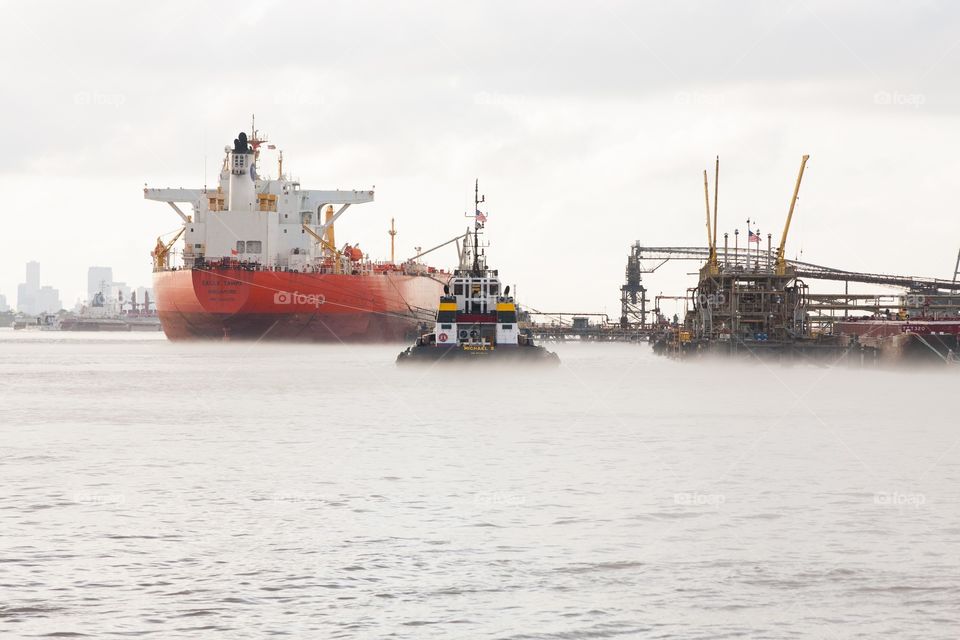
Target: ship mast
[(393, 235), (255, 139), (477, 224)]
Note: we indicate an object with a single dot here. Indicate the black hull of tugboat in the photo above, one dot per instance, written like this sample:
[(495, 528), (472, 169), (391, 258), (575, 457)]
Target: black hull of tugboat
[(532, 354)]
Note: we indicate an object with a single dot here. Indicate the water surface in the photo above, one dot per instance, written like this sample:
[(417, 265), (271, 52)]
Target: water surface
[(245, 491)]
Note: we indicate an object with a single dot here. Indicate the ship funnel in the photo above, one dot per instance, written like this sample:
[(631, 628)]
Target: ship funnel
[(240, 144), (242, 190)]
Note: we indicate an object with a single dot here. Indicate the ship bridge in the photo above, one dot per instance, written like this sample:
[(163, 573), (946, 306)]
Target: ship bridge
[(270, 222)]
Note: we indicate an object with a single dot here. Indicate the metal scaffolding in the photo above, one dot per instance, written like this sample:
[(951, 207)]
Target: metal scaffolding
[(766, 260)]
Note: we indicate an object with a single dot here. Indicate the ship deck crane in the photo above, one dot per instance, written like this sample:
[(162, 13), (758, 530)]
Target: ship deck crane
[(161, 253), (319, 239), (439, 246)]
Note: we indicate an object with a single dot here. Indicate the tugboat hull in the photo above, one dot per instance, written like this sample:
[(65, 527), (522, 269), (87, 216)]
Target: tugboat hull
[(465, 353)]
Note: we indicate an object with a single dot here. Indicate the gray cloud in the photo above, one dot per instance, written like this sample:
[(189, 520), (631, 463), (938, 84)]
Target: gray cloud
[(589, 123)]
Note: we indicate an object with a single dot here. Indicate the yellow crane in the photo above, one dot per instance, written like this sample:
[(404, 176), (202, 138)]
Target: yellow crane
[(712, 267), (781, 266), (161, 253), (329, 247)]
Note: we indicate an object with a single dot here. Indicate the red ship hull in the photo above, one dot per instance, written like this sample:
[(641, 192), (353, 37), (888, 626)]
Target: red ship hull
[(903, 340), (234, 303)]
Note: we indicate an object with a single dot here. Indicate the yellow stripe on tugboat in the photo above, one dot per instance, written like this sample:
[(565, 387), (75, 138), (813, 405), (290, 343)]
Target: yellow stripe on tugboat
[(448, 306)]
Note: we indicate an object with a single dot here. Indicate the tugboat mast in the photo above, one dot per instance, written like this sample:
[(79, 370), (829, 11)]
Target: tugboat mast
[(477, 224)]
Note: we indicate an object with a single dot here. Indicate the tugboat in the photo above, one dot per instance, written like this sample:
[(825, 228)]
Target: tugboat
[(476, 320)]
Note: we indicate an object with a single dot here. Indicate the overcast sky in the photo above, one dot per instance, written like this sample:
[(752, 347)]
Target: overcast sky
[(588, 124)]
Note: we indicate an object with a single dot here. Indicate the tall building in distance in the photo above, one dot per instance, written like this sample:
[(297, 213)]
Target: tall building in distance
[(4, 307), (33, 276), (33, 299)]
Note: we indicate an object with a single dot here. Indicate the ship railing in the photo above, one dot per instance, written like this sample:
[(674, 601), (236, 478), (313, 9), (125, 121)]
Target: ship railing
[(324, 267)]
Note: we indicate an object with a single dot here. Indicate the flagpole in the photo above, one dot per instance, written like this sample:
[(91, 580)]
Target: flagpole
[(756, 260), (748, 243)]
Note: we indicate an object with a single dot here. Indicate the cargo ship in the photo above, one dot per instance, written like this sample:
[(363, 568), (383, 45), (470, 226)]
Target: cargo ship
[(260, 261), (112, 314)]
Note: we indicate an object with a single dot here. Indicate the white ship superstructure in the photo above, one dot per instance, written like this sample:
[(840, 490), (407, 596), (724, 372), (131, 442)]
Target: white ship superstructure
[(270, 222)]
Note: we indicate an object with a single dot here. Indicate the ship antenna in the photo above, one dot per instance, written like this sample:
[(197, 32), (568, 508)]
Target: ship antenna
[(255, 139), (477, 224)]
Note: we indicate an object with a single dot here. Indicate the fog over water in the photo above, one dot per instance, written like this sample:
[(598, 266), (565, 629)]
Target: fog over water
[(237, 490)]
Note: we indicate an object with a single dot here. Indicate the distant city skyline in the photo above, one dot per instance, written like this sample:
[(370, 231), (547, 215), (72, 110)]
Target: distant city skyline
[(34, 298)]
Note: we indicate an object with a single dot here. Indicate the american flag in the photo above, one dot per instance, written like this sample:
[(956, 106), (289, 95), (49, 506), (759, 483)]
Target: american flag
[(754, 236), (481, 217)]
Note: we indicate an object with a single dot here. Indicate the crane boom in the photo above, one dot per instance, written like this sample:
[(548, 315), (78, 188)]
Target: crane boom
[(439, 246), (716, 193), (161, 253), (706, 198), (711, 265), (781, 258), (319, 239)]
